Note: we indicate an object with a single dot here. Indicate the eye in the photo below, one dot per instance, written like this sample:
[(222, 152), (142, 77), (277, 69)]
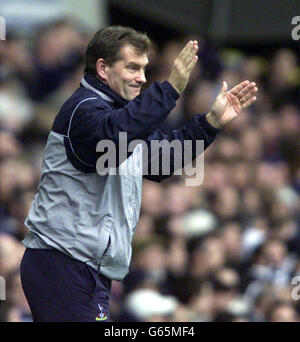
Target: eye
[(132, 67)]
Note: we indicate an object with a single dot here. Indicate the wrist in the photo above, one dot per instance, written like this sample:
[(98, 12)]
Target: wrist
[(211, 119), (174, 86)]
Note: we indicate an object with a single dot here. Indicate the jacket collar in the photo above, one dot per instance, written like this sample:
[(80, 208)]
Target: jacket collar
[(92, 83)]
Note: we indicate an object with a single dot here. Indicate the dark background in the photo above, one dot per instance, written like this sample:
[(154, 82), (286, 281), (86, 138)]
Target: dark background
[(251, 25)]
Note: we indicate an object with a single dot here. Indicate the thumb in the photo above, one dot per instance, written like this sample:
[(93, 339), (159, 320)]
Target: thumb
[(224, 89)]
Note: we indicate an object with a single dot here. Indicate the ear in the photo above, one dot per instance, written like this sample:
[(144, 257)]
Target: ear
[(101, 69)]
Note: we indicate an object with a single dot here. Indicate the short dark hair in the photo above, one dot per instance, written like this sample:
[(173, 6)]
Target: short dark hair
[(107, 43)]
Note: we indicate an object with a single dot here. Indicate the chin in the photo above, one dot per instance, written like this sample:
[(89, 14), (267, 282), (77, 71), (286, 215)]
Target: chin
[(130, 95), (133, 96)]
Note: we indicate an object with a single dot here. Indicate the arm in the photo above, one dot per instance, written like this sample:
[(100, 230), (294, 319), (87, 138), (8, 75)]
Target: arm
[(94, 121), (139, 117), (176, 151), (226, 107)]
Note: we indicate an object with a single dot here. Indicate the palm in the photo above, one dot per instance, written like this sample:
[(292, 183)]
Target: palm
[(227, 107)]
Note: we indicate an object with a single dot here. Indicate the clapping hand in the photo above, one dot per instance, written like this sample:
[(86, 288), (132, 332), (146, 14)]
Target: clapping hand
[(229, 104), (183, 66)]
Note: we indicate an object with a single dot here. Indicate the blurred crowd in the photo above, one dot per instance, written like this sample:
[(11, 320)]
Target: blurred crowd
[(228, 250)]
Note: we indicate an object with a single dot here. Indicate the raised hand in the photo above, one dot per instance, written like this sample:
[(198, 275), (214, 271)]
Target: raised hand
[(229, 104), (183, 65)]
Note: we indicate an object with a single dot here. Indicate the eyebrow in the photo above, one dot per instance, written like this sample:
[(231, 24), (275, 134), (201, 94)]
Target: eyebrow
[(136, 65)]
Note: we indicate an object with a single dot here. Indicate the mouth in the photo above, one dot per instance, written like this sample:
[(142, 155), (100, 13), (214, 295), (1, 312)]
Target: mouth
[(137, 88)]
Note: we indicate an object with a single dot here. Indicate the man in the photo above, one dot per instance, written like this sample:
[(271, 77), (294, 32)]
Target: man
[(81, 223)]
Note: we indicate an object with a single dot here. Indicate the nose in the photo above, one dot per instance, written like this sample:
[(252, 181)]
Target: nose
[(141, 77)]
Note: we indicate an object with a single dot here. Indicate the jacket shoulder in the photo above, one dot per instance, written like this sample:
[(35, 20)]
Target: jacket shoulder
[(81, 100)]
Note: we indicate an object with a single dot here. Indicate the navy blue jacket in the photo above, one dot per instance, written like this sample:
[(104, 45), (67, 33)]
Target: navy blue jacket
[(89, 216), (103, 118)]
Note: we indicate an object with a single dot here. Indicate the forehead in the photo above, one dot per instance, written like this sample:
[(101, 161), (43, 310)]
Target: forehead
[(129, 54)]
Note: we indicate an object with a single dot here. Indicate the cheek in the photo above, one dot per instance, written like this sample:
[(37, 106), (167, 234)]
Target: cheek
[(122, 80), (127, 78)]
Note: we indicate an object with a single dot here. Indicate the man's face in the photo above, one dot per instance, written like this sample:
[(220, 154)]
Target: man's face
[(127, 75)]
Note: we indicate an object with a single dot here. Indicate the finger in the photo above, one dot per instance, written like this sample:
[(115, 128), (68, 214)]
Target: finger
[(249, 102), (235, 90), (192, 64), (191, 53), (248, 89), (248, 96), (224, 88), (184, 52)]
